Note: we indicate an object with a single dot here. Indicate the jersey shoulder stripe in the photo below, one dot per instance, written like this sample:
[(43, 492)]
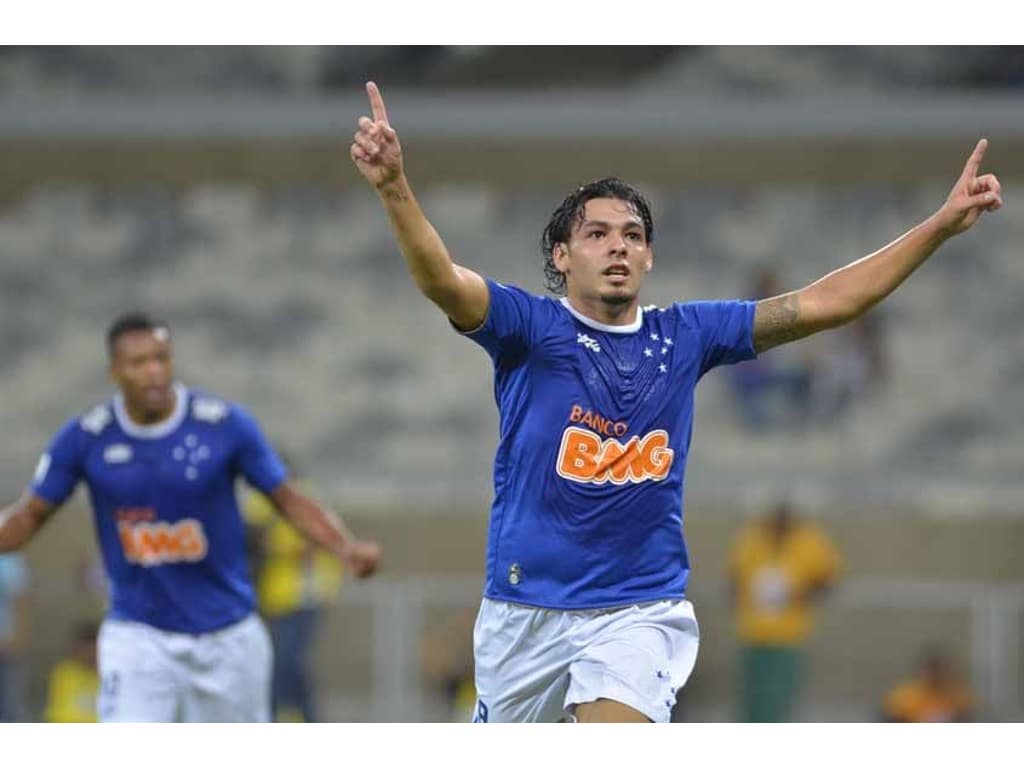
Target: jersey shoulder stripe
[(97, 419)]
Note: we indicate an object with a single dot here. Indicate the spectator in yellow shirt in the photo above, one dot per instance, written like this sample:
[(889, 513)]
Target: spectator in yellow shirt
[(934, 695), (779, 567), (294, 582), (74, 682)]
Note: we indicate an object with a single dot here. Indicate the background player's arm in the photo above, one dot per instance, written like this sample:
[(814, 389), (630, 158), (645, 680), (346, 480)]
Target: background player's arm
[(848, 293), (323, 528), (460, 293), (20, 521)]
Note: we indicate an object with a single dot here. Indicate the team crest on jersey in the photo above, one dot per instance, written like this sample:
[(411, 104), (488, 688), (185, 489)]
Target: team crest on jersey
[(208, 409), (160, 543), (584, 457), (191, 453), (96, 420), (118, 453)]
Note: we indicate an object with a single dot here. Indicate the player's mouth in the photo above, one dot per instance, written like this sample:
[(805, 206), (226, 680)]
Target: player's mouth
[(617, 272), (155, 393)]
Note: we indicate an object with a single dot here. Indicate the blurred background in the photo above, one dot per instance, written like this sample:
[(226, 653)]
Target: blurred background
[(212, 187)]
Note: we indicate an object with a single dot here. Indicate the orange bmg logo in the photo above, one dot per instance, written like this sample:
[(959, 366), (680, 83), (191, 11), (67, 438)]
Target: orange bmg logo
[(585, 458), (158, 543)]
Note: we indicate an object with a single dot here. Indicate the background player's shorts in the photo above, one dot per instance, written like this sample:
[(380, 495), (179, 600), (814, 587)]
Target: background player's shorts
[(537, 664), (149, 675)]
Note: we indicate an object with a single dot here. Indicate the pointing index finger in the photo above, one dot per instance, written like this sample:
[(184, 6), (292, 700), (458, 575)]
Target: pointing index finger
[(974, 161), (377, 103)]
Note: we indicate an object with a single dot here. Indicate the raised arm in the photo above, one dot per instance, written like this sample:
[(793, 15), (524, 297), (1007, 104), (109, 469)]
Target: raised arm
[(323, 528), (20, 521), (459, 292), (849, 292)]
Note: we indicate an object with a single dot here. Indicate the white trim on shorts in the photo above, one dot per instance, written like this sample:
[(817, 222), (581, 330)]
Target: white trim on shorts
[(537, 664)]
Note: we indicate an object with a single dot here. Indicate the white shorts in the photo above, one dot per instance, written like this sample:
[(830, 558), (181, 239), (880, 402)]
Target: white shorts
[(537, 664), (149, 675)]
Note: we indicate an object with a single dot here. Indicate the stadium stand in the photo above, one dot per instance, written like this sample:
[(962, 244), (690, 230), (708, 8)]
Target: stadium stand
[(307, 282)]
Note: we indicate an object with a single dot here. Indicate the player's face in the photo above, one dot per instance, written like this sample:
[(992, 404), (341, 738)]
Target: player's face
[(607, 256), (142, 369)]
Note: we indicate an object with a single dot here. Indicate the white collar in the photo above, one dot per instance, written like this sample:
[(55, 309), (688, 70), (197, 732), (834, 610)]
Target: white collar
[(161, 428), (631, 328)]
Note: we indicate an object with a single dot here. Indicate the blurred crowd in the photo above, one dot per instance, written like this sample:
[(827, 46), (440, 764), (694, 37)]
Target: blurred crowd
[(810, 384), (325, 69)]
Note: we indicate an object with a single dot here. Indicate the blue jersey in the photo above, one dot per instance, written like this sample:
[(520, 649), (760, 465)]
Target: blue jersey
[(595, 425), (163, 499)]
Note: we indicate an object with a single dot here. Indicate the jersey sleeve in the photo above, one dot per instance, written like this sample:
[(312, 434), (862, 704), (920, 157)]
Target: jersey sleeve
[(256, 460), (725, 330), (60, 466), (512, 323)]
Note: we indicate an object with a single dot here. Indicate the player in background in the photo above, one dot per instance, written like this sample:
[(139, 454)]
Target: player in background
[(584, 612), (181, 640)]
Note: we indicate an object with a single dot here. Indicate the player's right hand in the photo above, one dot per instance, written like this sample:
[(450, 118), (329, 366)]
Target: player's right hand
[(362, 557), (375, 149)]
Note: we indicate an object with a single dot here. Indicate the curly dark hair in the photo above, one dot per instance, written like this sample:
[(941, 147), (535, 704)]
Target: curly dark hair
[(570, 213), (129, 322)]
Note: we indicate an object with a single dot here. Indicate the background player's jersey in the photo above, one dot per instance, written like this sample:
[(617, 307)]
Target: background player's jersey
[(595, 425), (163, 499)]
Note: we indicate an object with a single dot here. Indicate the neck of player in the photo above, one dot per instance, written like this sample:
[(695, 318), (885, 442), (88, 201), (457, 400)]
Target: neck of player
[(603, 311), (145, 414)]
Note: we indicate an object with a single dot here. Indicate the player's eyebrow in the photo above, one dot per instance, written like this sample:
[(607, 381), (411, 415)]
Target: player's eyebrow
[(631, 224)]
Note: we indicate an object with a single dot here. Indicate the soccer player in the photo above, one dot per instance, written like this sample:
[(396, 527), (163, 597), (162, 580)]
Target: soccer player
[(181, 640), (584, 612)]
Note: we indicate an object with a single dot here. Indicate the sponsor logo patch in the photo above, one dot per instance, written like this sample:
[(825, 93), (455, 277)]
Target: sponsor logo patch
[(584, 457), (118, 453), (160, 542)]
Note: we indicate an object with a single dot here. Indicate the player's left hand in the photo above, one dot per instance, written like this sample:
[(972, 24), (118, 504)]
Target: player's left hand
[(971, 196), (362, 557)]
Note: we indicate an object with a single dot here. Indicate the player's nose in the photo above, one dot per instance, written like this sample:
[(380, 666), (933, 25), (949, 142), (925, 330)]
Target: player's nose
[(617, 244), (156, 371)]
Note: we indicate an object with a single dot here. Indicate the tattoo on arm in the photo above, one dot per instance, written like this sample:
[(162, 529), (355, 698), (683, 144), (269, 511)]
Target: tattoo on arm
[(777, 321), (393, 194)]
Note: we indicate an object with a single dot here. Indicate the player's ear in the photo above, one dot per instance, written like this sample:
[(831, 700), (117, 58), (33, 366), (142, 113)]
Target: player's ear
[(649, 264), (560, 254), (114, 372)]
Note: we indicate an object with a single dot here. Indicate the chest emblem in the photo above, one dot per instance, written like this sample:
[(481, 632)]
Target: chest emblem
[(191, 452)]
